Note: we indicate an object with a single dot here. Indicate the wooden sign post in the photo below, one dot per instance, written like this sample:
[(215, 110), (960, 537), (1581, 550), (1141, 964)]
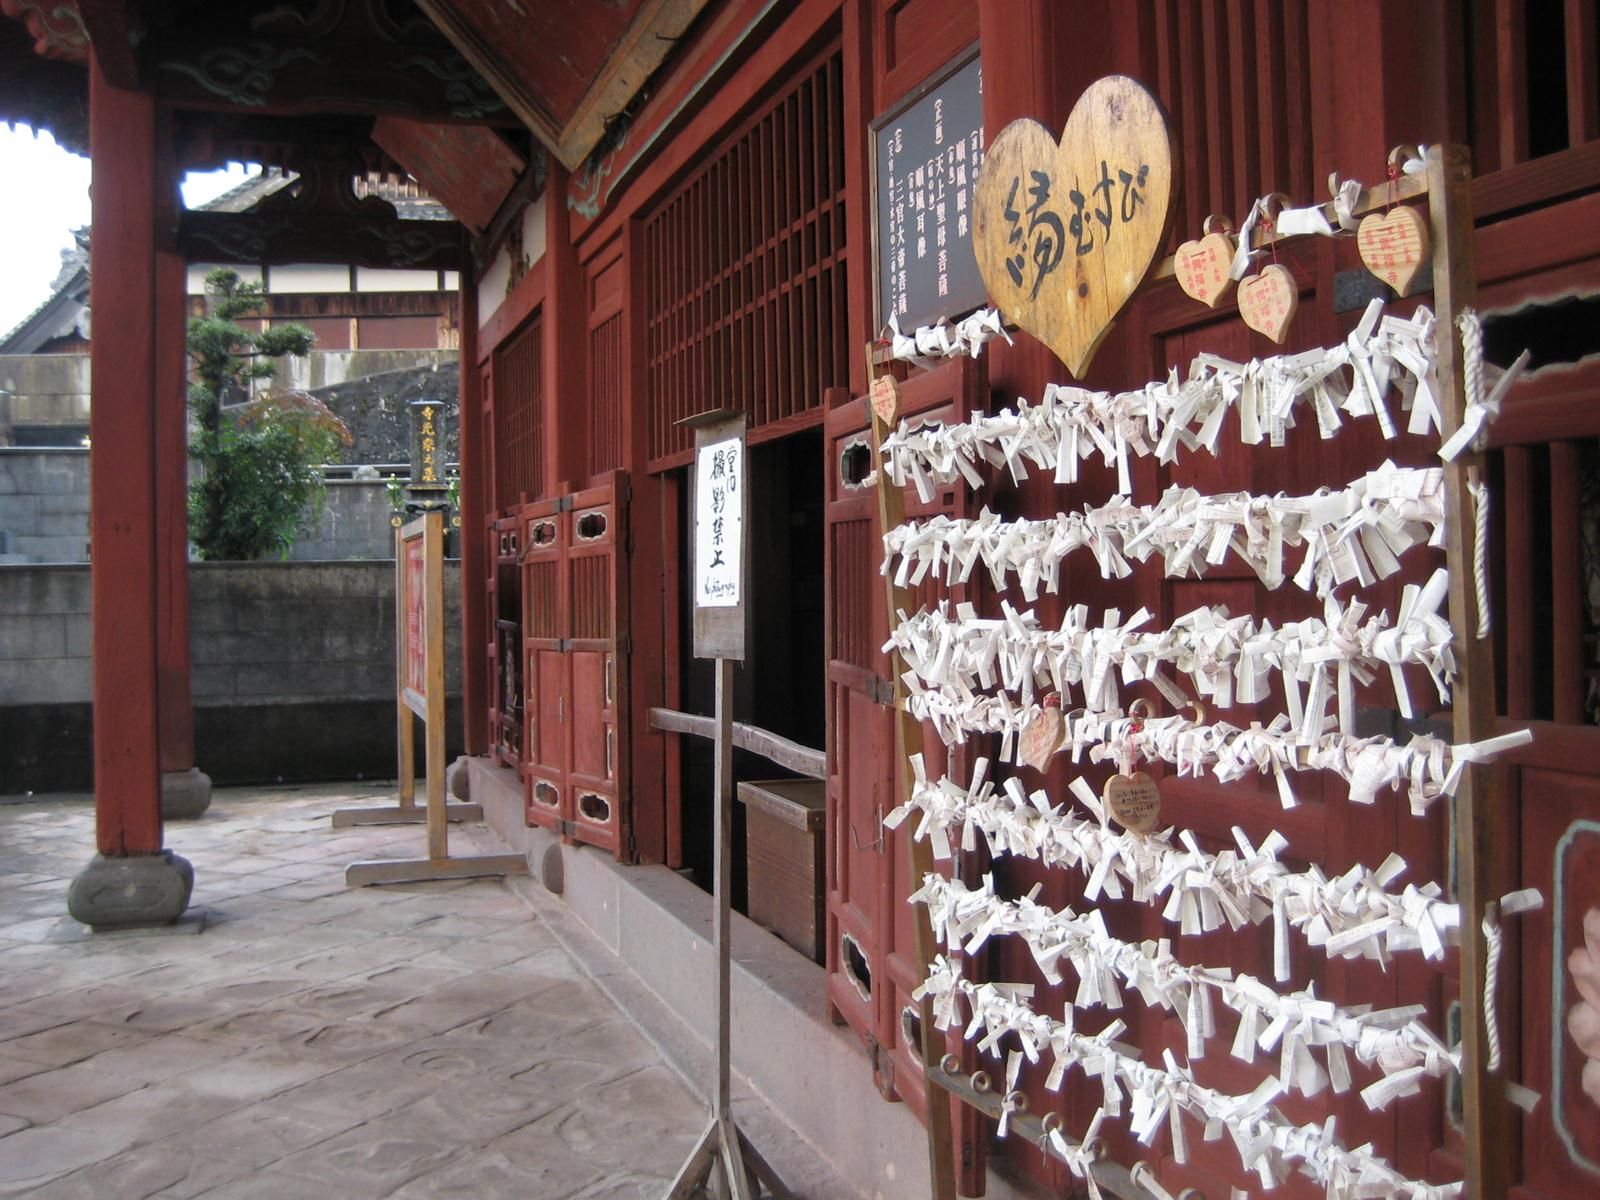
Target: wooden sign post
[(723, 1158), (419, 692)]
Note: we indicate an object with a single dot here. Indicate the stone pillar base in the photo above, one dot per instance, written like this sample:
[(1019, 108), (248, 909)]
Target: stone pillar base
[(185, 794), (457, 783), (140, 889)]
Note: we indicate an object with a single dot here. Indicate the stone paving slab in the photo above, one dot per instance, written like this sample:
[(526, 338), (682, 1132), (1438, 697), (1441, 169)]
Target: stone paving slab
[(293, 1038)]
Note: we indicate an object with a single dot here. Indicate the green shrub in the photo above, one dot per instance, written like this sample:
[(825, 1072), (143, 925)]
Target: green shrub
[(259, 483)]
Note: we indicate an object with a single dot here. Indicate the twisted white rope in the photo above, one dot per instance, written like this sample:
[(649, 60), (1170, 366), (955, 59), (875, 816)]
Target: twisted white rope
[(1494, 941), (1479, 491)]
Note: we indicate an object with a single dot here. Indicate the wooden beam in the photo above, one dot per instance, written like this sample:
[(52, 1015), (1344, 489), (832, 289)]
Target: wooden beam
[(1480, 818), (469, 170), (122, 424), (571, 136), (258, 238), (801, 759)]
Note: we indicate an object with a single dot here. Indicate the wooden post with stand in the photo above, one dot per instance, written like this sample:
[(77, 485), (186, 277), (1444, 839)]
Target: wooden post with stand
[(419, 692), (723, 1159)]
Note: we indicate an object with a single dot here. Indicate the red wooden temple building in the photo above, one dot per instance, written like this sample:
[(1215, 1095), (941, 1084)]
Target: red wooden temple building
[(665, 207)]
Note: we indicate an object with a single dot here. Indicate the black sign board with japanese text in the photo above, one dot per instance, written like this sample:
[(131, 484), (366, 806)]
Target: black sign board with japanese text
[(926, 153)]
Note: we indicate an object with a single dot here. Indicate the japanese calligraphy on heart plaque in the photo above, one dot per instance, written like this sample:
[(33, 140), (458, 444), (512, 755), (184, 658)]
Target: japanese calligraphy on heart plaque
[(718, 523), (1066, 232)]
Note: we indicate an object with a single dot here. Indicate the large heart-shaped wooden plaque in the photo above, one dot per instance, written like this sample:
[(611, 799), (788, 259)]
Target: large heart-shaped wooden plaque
[(1065, 233)]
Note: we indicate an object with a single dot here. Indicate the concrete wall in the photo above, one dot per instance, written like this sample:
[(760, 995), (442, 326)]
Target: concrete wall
[(43, 390), (44, 512), (293, 671), (44, 505)]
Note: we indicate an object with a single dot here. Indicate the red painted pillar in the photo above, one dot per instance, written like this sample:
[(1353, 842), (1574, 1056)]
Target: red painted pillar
[(474, 541), (123, 469), (132, 881)]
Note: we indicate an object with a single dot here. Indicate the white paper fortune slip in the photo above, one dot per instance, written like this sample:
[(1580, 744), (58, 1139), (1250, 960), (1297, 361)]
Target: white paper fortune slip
[(1289, 1026), (1156, 1097), (1334, 537), (1385, 358)]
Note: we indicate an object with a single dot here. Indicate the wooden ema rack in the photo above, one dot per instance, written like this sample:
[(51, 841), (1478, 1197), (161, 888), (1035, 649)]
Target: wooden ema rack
[(1479, 816), (419, 692)]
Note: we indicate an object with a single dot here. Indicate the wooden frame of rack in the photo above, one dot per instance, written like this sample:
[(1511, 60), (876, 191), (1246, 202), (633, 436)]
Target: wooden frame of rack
[(1479, 818)]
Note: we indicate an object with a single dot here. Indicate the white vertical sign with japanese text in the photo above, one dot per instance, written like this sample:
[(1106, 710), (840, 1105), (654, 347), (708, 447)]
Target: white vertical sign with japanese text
[(718, 523)]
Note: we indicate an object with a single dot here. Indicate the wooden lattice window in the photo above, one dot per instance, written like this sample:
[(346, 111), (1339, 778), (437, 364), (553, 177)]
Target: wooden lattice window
[(1236, 79), (745, 268), (518, 418)]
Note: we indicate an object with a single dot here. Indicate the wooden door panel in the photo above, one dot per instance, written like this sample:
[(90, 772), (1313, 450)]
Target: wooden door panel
[(545, 674)]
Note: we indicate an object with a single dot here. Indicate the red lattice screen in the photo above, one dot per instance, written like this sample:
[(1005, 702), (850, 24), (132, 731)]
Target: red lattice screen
[(1236, 78), (746, 271), (518, 418)]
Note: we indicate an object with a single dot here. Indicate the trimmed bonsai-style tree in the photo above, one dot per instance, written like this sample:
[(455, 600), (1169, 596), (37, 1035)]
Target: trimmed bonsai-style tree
[(260, 479)]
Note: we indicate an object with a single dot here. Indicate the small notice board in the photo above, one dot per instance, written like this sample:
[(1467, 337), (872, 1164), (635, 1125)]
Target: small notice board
[(925, 158), (721, 509)]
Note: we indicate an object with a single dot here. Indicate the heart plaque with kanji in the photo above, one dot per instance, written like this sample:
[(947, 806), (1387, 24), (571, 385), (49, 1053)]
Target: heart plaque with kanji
[(1066, 232)]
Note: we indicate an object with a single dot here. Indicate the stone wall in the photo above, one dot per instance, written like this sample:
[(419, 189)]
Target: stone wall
[(293, 672), (44, 505), (44, 512)]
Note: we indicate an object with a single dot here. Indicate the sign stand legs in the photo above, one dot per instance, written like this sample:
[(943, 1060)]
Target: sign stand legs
[(724, 1159), (419, 692)]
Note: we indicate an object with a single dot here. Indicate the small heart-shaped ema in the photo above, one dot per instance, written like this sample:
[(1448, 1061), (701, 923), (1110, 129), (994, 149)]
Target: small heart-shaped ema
[(885, 395), (1041, 738), (1394, 245), (1066, 232), (1134, 801), (1267, 301), (1202, 268)]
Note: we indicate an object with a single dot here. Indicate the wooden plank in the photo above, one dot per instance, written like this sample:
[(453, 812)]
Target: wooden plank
[(1566, 588), (1480, 819), (1511, 80), (1583, 81), (908, 742), (433, 731), (792, 755), (389, 814), (1518, 621), (1549, 177), (427, 870)]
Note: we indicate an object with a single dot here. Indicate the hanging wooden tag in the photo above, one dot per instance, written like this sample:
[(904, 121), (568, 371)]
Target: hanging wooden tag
[(1394, 245), (1043, 735), (1134, 801), (1066, 232), (885, 396), (1267, 301), (1202, 265)]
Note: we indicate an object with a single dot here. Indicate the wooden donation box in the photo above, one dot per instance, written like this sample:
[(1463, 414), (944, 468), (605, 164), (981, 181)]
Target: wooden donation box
[(783, 858)]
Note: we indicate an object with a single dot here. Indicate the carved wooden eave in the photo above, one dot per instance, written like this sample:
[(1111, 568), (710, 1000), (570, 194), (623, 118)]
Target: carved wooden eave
[(261, 239), (570, 134), (470, 171)]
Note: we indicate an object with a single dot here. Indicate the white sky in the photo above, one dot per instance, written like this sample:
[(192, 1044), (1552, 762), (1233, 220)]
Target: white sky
[(44, 196)]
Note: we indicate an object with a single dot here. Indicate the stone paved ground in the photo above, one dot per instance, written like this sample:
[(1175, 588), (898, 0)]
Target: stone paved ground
[(295, 1039)]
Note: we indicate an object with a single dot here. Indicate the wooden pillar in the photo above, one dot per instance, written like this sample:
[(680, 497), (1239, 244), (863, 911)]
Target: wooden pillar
[(566, 392), (474, 543), (122, 470), (172, 518)]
